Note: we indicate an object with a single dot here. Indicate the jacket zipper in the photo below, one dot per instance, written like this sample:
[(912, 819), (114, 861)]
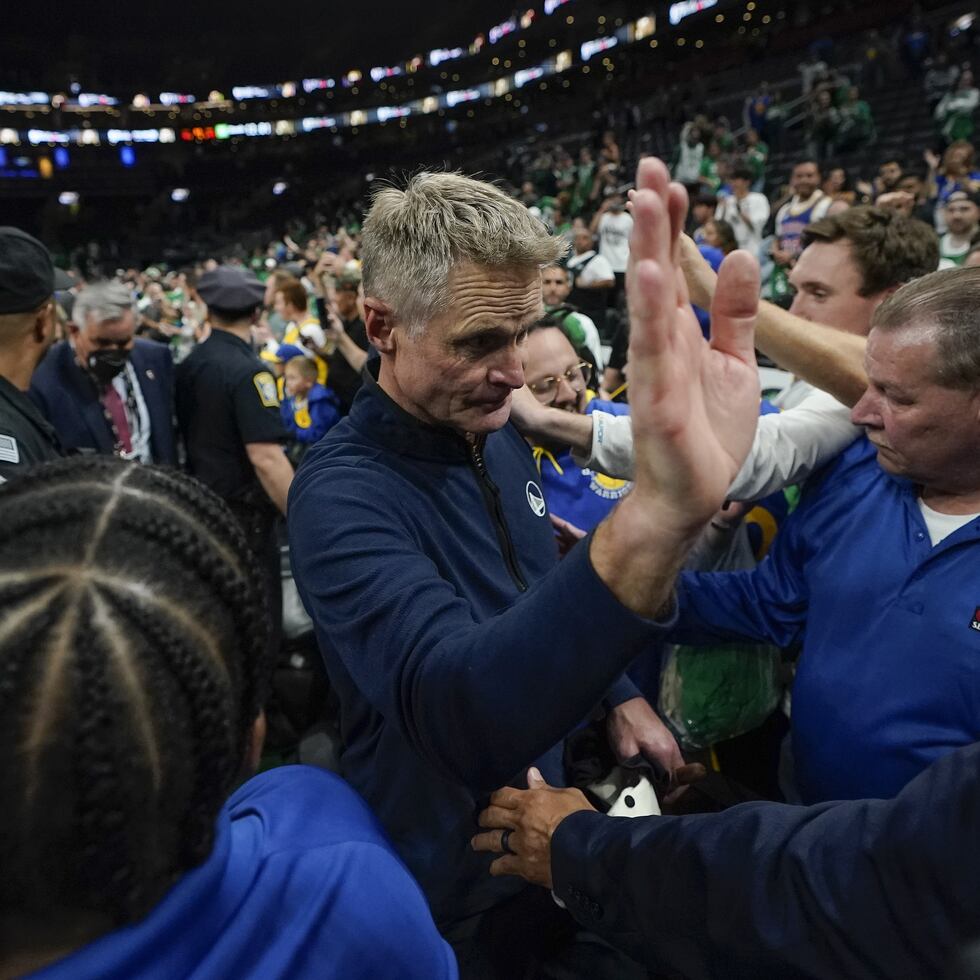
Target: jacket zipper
[(491, 496)]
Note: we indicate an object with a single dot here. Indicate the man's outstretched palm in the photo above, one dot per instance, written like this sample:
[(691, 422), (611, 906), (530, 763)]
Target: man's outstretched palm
[(693, 403)]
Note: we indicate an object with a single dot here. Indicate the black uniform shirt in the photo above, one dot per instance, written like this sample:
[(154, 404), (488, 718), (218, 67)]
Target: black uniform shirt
[(344, 380), (26, 437), (226, 399)]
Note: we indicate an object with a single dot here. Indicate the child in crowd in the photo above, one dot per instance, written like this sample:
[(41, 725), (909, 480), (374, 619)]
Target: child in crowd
[(309, 408)]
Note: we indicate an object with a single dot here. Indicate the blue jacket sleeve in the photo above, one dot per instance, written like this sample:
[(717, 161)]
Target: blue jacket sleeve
[(862, 889), (479, 700), (767, 604)]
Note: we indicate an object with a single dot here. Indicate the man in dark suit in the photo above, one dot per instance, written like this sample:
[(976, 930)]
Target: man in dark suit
[(104, 390)]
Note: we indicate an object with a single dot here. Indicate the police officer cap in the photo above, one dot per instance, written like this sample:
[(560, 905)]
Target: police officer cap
[(230, 287), (27, 276)]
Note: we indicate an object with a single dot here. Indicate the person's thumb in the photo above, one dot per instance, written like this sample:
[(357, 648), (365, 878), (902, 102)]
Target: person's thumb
[(534, 779)]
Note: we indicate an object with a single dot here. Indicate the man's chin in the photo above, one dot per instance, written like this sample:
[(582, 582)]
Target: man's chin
[(489, 417)]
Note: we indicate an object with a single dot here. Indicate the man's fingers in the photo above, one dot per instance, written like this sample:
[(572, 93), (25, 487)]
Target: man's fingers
[(509, 864), (688, 773), (650, 238), (651, 303), (491, 842), (652, 174), (507, 797), (534, 779), (735, 306), (498, 817), (677, 209)]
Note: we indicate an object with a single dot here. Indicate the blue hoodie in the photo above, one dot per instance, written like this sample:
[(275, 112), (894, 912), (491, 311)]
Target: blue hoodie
[(301, 883), (461, 650)]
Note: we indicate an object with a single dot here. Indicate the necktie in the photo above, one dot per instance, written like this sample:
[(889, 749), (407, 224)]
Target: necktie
[(116, 412)]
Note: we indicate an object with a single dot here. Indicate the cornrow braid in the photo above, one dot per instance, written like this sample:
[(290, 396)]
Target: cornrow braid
[(133, 664)]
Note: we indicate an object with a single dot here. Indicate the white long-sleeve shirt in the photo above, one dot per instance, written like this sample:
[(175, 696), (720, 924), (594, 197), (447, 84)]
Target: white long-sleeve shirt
[(787, 448)]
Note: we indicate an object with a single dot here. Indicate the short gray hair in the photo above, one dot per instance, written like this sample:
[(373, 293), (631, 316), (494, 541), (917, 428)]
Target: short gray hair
[(946, 304), (413, 238), (102, 301)]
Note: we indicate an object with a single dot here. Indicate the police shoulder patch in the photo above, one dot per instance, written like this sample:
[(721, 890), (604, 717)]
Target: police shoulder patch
[(265, 385)]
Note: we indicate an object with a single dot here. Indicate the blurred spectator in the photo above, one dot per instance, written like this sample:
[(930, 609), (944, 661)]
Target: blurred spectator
[(962, 216), (744, 210), (890, 174), (876, 61), (613, 224), (856, 127), (808, 204), (302, 328), (838, 187), (811, 69), (719, 234), (954, 113), (593, 278), (703, 207), (939, 79), (954, 172), (689, 156), (776, 116), (580, 328), (915, 43), (755, 109), (105, 390), (309, 409), (756, 158), (823, 125)]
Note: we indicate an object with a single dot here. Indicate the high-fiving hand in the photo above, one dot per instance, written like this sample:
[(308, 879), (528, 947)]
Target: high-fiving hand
[(694, 404)]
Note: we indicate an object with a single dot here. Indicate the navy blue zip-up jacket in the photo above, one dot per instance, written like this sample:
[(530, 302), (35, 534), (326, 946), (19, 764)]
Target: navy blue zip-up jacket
[(461, 650)]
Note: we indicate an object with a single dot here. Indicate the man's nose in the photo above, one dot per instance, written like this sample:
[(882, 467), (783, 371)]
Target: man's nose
[(509, 370)]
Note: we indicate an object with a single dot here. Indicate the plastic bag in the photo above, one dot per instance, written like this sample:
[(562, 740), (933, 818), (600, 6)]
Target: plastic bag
[(710, 694)]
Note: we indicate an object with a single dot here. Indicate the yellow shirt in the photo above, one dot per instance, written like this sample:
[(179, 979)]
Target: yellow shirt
[(294, 335)]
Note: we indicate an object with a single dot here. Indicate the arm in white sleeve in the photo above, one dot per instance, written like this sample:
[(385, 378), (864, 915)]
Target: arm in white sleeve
[(788, 447), (612, 446)]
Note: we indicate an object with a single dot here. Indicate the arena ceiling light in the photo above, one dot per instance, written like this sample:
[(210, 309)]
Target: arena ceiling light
[(179, 194)]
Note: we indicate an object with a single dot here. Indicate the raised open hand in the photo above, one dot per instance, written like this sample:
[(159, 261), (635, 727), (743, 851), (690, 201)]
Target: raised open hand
[(694, 403)]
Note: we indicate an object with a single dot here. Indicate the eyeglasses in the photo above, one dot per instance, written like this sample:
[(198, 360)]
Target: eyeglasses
[(546, 390)]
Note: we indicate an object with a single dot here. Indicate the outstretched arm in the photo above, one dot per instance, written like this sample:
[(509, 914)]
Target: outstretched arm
[(829, 359)]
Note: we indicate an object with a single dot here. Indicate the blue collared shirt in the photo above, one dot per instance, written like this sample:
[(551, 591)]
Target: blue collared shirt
[(889, 677)]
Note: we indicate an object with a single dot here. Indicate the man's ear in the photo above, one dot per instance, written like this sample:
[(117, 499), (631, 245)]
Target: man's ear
[(379, 324), (44, 324)]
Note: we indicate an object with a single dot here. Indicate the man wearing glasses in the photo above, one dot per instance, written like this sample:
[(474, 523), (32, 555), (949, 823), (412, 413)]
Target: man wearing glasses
[(558, 378)]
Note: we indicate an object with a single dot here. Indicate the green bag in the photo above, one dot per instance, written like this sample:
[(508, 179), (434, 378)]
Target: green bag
[(710, 694)]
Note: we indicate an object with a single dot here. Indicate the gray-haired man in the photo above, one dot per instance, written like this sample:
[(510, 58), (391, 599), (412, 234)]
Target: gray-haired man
[(104, 390), (461, 650)]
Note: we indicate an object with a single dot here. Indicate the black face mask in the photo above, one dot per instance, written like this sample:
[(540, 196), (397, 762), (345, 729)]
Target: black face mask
[(104, 365)]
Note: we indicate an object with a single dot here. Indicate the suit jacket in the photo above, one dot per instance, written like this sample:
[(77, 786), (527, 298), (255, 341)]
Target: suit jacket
[(69, 400), (862, 889)]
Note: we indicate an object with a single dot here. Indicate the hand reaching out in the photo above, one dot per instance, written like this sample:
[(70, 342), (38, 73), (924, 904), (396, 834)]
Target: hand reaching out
[(694, 404)]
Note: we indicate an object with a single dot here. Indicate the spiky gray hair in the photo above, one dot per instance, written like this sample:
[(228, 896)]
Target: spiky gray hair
[(413, 238)]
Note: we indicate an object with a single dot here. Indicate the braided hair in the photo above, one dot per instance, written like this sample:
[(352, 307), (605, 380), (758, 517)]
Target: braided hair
[(133, 634)]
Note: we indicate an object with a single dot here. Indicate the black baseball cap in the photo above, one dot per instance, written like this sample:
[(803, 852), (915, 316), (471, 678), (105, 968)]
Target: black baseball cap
[(27, 275)]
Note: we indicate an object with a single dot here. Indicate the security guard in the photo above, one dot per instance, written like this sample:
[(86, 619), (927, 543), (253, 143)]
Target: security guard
[(228, 413), (27, 328)]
